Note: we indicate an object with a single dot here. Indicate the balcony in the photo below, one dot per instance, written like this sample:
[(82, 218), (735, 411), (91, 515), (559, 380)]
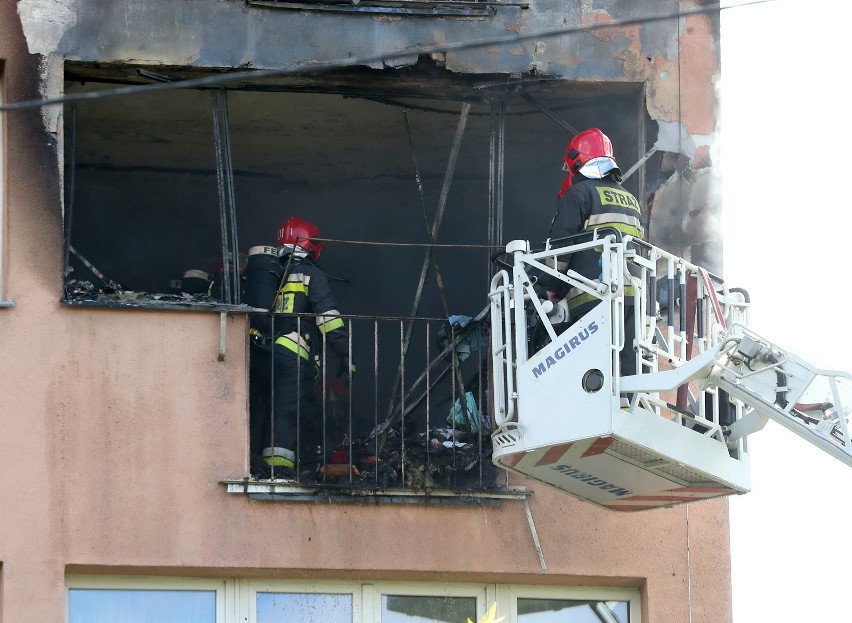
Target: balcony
[(407, 421)]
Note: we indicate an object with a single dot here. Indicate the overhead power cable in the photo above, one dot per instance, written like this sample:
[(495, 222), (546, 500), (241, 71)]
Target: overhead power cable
[(225, 78)]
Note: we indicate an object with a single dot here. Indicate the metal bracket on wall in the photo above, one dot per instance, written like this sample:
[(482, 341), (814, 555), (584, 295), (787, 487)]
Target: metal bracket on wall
[(223, 335)]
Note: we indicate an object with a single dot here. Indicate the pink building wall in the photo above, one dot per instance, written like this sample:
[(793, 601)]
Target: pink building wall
[(117, 427)]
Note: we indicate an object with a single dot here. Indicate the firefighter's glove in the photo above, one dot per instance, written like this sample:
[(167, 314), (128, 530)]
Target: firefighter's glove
[(558, 287)]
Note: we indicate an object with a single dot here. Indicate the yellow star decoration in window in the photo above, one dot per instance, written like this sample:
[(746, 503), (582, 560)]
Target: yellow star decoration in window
[(489, 616)]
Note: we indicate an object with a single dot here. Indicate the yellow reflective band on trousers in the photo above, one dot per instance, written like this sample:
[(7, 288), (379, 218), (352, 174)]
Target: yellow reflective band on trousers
[(331, 325), (289, 344), (584, 298), (279, 461)]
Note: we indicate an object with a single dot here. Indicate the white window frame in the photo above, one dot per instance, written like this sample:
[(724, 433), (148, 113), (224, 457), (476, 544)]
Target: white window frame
[(366, 596), (250, 589), (236, 599), (510, 594), (224, 588), (373, 593)]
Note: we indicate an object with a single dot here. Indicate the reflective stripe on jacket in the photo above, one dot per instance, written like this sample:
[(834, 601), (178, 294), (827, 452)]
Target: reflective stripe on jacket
[(306, 291), (588, 205)]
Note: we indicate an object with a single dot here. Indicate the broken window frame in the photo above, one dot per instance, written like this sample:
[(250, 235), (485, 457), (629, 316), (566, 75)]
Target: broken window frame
[(227, 201), (225, 173), (227, 216)]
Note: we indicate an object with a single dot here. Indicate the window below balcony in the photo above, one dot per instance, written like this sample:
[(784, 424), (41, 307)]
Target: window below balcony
[(135, 600), (93, 599)]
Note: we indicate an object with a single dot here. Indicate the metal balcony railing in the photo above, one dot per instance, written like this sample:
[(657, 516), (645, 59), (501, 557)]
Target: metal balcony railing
[(409, 413)]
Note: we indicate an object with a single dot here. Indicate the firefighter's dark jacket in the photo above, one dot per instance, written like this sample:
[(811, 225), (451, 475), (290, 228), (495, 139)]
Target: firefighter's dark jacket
[(591, 204), (304, 288)]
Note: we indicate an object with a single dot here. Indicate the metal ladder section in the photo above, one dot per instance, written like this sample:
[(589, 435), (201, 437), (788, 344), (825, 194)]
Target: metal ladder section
[(697, 361), (777, 385)]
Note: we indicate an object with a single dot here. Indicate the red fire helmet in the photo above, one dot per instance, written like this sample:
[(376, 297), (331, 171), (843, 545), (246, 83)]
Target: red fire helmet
[(589, 144), (297, 232)]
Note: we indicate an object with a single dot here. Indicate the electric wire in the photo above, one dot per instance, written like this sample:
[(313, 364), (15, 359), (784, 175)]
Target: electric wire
[(319, 66)]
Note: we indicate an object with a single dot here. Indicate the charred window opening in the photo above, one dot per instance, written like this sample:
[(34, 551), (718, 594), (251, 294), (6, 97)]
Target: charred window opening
[(163, 185), (334, 149)]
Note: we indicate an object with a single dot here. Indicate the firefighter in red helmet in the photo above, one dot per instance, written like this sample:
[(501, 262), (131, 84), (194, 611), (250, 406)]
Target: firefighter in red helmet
[(285, 348), (592, 197)]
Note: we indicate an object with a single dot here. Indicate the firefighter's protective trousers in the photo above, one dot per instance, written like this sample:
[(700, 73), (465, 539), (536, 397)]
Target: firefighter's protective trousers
[(283, 402), (284, 410)]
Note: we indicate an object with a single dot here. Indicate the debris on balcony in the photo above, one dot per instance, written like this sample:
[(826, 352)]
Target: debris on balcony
[(442, 458), (82, 291)]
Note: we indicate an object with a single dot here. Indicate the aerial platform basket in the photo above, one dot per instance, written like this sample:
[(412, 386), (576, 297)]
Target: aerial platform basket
[(585, 444), (676, 430)]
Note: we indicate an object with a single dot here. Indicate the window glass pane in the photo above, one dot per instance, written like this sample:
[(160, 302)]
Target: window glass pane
[(415, 609), (140, 606), (572, 611), (303, 608)]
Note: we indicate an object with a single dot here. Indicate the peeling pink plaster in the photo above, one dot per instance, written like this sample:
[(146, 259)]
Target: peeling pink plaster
[(609, 34), (636, 66), (682, 89), (698, 97)]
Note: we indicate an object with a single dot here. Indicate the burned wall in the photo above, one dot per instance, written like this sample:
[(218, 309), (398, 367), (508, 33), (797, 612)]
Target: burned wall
[(145, 200), (675, 61), (331, 145)]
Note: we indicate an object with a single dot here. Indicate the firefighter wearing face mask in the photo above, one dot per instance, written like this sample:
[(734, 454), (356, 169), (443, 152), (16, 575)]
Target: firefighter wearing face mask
[(592, 197), (285, 350)]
